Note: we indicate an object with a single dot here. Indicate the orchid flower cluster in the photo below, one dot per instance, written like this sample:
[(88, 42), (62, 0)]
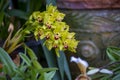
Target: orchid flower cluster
[(48, 25)]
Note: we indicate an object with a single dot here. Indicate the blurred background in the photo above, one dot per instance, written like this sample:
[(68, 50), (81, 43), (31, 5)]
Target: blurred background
[(97, 24)]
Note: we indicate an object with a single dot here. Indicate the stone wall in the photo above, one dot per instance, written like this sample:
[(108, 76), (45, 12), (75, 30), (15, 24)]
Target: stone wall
[(88, 4), (97, 26)]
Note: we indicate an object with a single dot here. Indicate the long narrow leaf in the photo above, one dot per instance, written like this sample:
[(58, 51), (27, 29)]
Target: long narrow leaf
[(49, 76), (113, 53), (17, 13), (61, 65), (50, 57), (117, 77), (4, 4), (33, 57), (51, 60), (109, 55), (47, 70), (34, 5), (7, 61), (66, 68), (25, 58)]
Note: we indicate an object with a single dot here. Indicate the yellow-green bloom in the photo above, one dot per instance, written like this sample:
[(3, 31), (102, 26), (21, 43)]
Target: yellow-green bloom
[(48, 25)]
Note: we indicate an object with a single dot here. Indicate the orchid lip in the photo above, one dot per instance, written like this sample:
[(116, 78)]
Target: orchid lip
[(79, 60)]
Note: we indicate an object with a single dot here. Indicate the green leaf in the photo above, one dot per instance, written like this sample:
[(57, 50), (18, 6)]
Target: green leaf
[(47, 70), (4, 4), (17, 78), (20, 73), (66, 68), (22, 66), (49, 76), (113, 53), (17, 13), (42, 77), (1, 4), (34, 5), (25, 58), (51, 60), (7, 61), (33, 57), (50, 57), (117, 77), (30, 52), (61, 65), (62, 62)]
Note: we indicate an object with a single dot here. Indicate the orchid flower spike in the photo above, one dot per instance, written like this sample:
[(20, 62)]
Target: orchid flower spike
[(79, 60), (82, 64)]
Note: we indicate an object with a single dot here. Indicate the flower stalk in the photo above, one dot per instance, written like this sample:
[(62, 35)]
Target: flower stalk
[(82, 65)]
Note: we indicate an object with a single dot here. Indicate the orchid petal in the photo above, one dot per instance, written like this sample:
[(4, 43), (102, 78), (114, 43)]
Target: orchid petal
[(106, 71), (79, 60), (93, 71)]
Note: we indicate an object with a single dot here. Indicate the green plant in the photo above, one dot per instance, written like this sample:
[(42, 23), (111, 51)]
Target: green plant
[(17, 12), (29, 68), (54, 34), (114, 56), (18, 16)]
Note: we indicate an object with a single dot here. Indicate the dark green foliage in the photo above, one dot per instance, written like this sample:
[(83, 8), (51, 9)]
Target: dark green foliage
[(114, 65), (60, 62), (113, 53), (29, 68), (18, 16)]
